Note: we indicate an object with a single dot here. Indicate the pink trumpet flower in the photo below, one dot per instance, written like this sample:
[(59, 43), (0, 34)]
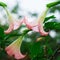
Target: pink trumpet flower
[(14, 49), (17, 24), (37, 25), (34, 25), (13, 24)]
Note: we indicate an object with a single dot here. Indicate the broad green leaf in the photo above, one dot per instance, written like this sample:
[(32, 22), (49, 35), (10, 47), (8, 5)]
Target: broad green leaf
[(52, 26), (55, 8), (48, 18), (53, 4)]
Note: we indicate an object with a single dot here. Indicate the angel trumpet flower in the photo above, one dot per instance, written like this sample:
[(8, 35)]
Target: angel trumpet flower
[(14, 49), (13, 24), (38, 24), (35, 25)]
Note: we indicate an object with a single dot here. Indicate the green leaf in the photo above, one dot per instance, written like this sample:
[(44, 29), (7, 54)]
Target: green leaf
[(1, 33), (53, 4), (48, 18), (49, 51), (35, 49), (55, 8), (3, 4), (1, 36), (52, 26)]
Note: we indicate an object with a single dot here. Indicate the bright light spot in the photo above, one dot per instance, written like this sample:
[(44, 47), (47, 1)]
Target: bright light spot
[(28, 40), (22, 29), (30, 32), (52, 33), (57, 14)]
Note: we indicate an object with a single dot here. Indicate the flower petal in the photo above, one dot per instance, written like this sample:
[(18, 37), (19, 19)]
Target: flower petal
[(31, 24), (10, 29), (14, 49), (14, 52), (35, 28), (19, 55), (27, 23), (41, 30), (17, 24)]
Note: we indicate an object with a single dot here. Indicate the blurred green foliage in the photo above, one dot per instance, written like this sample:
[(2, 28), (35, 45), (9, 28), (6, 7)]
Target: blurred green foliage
[(45, 49), (3, 4)]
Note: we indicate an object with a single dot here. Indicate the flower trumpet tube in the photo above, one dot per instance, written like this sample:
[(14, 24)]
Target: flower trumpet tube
[(38, 24), (14, 49), (13, 24)]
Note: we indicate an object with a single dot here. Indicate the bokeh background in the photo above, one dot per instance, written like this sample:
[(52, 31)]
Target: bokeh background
[(47, 48)]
